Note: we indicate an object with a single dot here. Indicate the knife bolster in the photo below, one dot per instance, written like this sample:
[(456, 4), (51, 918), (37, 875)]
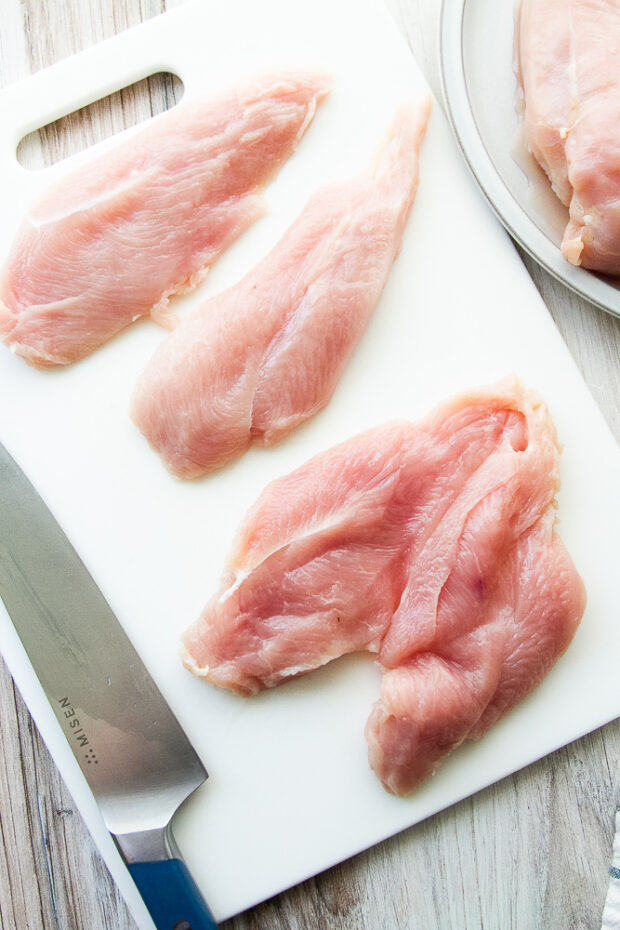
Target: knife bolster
[(147, 845)]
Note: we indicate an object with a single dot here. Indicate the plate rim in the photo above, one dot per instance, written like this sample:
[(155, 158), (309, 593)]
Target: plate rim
[(503, 203)]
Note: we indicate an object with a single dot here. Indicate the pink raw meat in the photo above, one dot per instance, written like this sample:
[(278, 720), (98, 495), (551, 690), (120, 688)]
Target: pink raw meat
[(112, 241), (431, 545), (568, 57), (257, 360)]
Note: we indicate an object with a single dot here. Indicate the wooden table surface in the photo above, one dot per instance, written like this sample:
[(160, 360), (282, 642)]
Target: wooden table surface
[(529, 853)]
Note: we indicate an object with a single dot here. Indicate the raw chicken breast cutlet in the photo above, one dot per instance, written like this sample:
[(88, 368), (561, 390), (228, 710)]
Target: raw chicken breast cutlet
[(257, 360), (568, 60), (114, 239), (431, 545)]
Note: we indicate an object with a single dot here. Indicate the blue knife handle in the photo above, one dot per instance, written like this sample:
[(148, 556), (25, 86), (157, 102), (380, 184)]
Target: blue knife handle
[(171, 895)]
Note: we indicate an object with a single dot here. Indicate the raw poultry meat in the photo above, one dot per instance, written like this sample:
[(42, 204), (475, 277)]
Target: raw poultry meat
[(112, 241), (568, 62), (430, 544), (257, 360)]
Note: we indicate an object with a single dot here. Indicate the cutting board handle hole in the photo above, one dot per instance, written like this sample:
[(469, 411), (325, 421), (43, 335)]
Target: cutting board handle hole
[(99, 120)]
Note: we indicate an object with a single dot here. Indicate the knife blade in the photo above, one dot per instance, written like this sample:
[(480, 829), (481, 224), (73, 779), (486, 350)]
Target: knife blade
[(135, 756)]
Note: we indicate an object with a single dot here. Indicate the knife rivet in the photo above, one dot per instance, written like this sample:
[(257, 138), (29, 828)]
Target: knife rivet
[(182, 925)]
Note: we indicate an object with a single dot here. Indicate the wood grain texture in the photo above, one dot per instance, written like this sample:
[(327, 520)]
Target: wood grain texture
[(529, 853)]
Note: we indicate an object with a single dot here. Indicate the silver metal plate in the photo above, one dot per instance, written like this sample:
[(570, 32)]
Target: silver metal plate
[(480, 90)]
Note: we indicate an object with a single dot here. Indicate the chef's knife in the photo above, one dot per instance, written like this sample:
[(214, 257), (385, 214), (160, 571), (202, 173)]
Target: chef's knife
[(136, 758)]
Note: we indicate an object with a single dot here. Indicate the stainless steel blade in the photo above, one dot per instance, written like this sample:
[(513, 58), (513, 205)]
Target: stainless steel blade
[(132, 750)]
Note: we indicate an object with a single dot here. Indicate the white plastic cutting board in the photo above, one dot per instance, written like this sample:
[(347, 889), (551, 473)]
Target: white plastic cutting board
[(290, 791)]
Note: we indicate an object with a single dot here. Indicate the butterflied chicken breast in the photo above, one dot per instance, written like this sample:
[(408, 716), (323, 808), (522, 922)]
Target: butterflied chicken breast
[(259, 359), (431, 545), (568, 58), (112, 241)]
